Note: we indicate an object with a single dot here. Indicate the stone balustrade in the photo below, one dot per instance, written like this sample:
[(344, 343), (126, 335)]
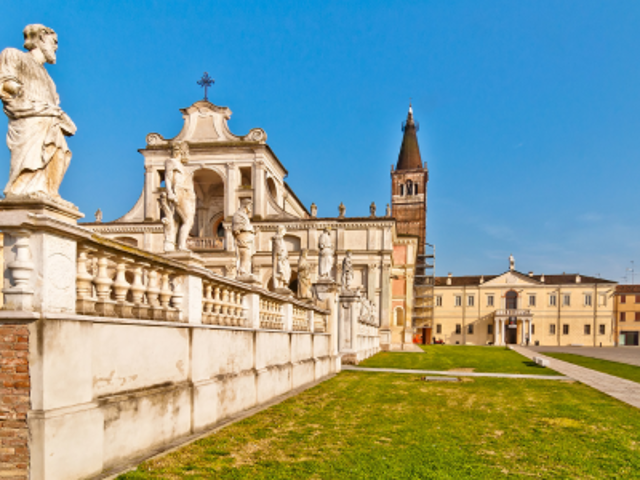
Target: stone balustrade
[(271, 314), (223, 305), (300, 319)]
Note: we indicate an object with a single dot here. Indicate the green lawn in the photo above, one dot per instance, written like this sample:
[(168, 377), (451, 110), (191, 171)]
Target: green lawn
[(451, 357), (622, 370), (394, 426)]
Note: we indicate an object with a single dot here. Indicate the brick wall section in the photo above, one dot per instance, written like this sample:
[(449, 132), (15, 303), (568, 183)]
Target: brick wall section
[(14, 401)]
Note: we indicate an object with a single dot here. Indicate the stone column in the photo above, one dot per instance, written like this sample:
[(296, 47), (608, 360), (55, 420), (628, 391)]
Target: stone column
[(496, 332), (502, 332), (259, 205), (150, 205), (523, 332), (230, 204), (529, 332)]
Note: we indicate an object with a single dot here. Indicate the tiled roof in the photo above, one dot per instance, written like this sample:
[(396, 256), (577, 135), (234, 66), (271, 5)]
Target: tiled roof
[(562, 279), (628, 289)]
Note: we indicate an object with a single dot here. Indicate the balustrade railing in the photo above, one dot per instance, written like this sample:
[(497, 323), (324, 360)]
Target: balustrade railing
[(271, 315), (300, 319), (223, 305)]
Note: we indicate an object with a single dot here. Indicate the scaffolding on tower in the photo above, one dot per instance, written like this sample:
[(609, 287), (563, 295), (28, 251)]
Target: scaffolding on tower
[(423, 295)]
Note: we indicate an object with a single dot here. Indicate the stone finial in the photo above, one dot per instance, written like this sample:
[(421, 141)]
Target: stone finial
[(388, 211), (342, 210), (314, 210), (35, 118), (98, 215), (372, 210), (512, 263)]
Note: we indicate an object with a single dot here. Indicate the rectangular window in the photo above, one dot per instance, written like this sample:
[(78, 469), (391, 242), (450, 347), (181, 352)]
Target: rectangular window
[(532, 300), (565, 329), (602, 328), (587, 300), (470, 301), (438, 328), (637, 316), (489, 300), (637, 298), (533, 329), (490, 329), (566, 300), (470, 329), (552, 329), (458, 329), (603, 300), (623, 316), (552, 300), (623, 299), (439, 301), (458, 301), (587, 329)]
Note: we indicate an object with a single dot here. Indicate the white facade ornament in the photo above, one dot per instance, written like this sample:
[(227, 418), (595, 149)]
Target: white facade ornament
[(244, 235), (280, 260), (342, 210), (388, 211), (347, 271), (304, 276), (314, 210), (179, 202), (372, 210), (98, 215), (325, 255), (37, 125), (512, 263)]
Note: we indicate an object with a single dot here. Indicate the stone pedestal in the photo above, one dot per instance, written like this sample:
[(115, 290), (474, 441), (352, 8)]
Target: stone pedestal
[(250, 279), (185, 256), (348, 326), (59, 210)]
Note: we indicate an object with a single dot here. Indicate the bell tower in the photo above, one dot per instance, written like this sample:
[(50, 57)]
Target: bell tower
[(409, 186)]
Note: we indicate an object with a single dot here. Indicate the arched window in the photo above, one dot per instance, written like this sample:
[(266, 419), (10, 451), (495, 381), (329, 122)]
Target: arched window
[(415, 189), (511, 300), (409, 187), (402, 190)]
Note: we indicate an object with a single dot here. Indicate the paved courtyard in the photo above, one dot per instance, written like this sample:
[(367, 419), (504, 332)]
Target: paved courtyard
[(630, 355)]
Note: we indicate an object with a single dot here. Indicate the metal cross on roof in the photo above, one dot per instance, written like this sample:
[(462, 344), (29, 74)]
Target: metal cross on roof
[(206, 81)]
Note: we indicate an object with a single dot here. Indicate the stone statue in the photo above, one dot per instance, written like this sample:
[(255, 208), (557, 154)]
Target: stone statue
[(304, 275), (388, 211), (98, 216), (325, 260), (314, 210), (342, 210), (372, 209), (244, 235), (280, 259), (37, 125), (347, 271), (179, 203), (512, 263)]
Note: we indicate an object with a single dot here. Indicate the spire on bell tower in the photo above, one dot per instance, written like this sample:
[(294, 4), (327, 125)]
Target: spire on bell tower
[(409, 157)]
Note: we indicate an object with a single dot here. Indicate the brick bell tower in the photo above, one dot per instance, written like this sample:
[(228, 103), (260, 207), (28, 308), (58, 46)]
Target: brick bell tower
[(409, 186)]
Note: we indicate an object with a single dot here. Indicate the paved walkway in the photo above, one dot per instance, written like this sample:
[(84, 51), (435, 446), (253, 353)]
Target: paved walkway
[(454, 373), (624, 390), (630, 355)]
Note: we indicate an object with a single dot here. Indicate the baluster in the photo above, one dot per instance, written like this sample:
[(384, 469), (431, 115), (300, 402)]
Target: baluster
[(216, 306), (105, 307), (165, 294), (207, 303), (85, 302), (153, 294), (177, 297), (224, 312), (121, 288), (138, 289)]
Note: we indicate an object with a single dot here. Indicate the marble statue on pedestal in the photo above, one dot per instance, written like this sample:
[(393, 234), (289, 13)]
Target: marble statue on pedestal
[(244, 235), (512, 263), (304, 275), (372, 209), (37, 125), (178, 203), (387, 212), (325, 255), (342, 210), (280, 258), (347, 271)]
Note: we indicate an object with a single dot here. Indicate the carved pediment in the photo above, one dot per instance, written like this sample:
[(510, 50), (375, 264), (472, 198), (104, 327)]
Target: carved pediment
[(205, 122), (511, 278)]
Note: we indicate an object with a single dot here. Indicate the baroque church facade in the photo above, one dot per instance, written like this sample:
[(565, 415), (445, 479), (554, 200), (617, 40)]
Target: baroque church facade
[(227, 170)]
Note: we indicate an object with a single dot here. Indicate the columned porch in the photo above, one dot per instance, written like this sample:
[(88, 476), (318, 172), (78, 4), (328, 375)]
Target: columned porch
[(512, 326)]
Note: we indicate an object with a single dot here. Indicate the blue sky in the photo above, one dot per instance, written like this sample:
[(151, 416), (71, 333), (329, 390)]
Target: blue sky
[(529, 110)]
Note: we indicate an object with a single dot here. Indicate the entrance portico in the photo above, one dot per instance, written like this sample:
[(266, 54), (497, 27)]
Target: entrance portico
[(512, 326)]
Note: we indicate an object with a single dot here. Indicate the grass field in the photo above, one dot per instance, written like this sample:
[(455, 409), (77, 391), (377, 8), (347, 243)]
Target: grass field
[(393, 426), (622, 370), (452, 357)]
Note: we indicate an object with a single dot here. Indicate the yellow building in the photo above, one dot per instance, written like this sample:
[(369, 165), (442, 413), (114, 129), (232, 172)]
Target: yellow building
[(627, 305), (518, 308)]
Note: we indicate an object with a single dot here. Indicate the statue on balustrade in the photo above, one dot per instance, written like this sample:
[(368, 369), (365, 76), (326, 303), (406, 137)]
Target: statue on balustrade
[(347, 271), (37, 125), (280, 259), (178, 202), (304, 276), (244, 235), (325, 260)]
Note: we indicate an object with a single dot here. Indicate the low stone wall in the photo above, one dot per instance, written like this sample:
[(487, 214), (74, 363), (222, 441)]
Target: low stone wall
[(106, 390), (14, 400)]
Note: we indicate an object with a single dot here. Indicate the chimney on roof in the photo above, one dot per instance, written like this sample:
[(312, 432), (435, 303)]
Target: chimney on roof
[(578, 279), (482, 279), (449, 279), (531, 274), (542, 278)]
